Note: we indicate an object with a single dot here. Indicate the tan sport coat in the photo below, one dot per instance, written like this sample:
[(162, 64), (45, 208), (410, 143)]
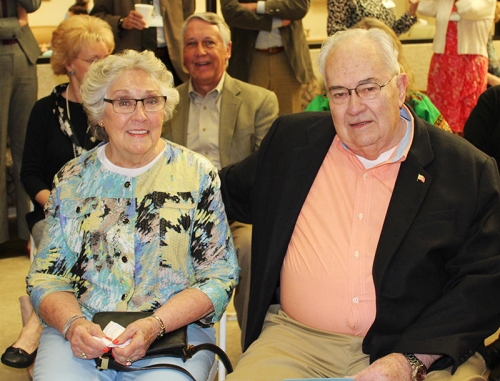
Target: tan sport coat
[(246, 114)]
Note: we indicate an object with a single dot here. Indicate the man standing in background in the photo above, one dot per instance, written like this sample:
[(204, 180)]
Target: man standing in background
[(270, 47), (163, 36), (18, 83)]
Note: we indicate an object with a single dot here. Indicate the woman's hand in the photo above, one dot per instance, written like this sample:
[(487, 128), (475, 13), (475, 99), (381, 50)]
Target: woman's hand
[(142, 333), (83, 343)]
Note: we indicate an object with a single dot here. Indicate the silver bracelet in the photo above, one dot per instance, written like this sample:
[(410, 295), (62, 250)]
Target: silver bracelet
[(69, 322)]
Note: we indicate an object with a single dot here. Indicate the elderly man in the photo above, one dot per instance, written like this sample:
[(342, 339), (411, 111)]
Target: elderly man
[(220, 117), (375, 238)]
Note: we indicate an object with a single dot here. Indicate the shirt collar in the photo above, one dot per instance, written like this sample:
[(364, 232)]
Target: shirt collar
[(215, 92), (401, 151)]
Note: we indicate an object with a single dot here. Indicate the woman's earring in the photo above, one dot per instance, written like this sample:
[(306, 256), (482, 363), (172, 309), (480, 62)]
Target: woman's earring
[(72, 73)]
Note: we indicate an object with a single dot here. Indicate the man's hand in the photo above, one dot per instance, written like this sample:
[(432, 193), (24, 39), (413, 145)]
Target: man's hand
[(250, 6), (393, 367), (134, 20), (22, 16)]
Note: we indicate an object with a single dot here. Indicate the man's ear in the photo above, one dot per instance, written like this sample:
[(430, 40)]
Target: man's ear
[(229, 49), (402, 85)]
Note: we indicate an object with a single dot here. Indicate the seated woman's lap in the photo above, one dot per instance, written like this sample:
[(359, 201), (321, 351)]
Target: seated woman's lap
[(55, 361)]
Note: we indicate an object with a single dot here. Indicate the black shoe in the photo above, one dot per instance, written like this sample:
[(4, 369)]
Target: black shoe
[(18, 357)]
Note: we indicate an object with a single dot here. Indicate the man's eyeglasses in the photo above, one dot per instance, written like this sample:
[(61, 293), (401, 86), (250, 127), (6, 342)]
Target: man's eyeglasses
[(365, 91), (127, 106)]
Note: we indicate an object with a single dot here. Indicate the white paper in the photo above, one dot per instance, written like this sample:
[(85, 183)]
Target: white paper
[(112, 330)]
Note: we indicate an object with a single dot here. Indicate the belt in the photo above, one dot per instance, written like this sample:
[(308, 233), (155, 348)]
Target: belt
[(9, 42), (161, 52), (273, 50)]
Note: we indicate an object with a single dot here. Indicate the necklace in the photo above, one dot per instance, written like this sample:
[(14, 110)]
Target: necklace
[(67, 102)]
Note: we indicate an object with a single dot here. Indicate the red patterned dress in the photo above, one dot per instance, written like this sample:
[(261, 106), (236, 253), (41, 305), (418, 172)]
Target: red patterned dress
[(456, 81)]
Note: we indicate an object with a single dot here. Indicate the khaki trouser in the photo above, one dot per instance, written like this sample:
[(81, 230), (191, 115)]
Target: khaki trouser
[(287, 349)]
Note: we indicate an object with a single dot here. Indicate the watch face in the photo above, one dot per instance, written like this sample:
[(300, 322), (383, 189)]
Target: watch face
[(420, 374)]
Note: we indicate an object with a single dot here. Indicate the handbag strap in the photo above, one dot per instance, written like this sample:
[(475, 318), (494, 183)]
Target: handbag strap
[(103, 363), (106, 362), (192, 349)]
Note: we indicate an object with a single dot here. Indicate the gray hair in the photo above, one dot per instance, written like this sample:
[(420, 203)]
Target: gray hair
[(380, 39), (211, 18), (104, 73)]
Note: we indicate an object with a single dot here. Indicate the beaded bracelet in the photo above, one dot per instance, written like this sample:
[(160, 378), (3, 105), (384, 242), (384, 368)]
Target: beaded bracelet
[(162, 326), (69, 322)]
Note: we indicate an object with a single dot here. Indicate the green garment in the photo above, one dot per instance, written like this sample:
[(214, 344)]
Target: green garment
[(420, 103)]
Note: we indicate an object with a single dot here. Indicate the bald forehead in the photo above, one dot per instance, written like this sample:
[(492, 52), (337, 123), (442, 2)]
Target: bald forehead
[(355, 57)]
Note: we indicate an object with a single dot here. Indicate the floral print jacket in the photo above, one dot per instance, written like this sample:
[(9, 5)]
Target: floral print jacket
[(131, 243)]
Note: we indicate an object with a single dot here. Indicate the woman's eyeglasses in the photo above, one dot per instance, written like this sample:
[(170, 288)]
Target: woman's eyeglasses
[(127, 106)]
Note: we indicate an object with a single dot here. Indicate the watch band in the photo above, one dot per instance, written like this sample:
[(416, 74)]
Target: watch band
[(418, 368)]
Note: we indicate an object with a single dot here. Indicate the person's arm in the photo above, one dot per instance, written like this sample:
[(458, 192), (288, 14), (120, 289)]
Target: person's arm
[(483, 120), (393, 367), (35, 163), (493, 80), (29, 5), (427, 8), (245, 16), (10, 27)]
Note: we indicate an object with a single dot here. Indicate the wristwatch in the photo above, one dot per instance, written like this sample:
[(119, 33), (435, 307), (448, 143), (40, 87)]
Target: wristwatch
[(418, 369), (120, 23)]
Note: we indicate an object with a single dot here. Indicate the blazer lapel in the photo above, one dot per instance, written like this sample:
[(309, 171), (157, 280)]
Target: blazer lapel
[(230, 104), (411, 187)]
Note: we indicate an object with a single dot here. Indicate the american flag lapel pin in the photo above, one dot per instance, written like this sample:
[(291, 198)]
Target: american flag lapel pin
[(421, 178)]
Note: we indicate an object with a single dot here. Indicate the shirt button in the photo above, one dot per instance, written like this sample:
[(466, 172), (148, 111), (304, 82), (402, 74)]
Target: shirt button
[(78, 209), (124, 259), (124, 296), (355, 300), (126, 221), (127, 184), (360, 216), (356, 254), (365, 176)]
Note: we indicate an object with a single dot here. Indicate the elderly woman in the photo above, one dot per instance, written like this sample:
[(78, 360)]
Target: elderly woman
[(57, 132), (136, 224)]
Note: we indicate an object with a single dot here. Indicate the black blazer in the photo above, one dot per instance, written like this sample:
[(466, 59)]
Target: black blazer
[(437, 265)]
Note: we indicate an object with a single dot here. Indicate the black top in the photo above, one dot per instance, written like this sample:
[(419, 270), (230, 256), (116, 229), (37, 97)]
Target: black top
[(483, 126), (47, 148)]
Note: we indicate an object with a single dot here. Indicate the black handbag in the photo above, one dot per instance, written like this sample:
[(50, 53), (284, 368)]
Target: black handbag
[(172, 344)]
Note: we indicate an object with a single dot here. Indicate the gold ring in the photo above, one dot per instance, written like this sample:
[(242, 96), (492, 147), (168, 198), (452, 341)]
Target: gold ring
[(83, 355)]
